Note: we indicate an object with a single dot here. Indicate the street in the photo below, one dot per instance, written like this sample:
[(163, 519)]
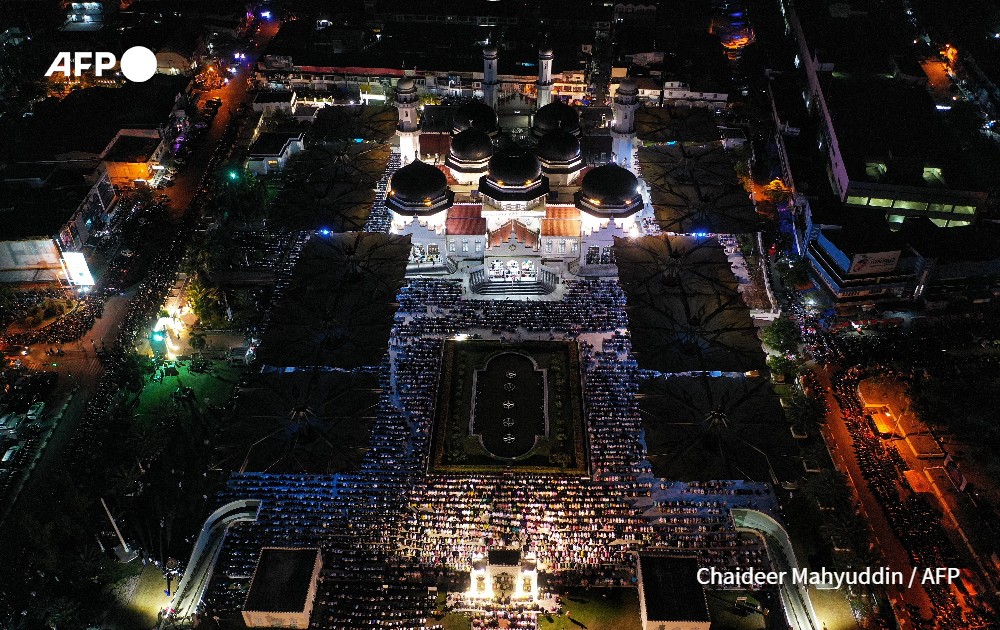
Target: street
[(79, 369), (840, 444), (233, 95)]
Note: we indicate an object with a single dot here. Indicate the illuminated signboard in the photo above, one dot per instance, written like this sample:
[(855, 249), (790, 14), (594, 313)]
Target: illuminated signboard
[(77, 270), (881, 262)]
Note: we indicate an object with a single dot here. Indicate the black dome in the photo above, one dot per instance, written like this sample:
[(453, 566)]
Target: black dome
[(556, 115), (611, 185), (558, 146), (417, 182), (405, 85), (514, 166), (471, 145), (476, 114)]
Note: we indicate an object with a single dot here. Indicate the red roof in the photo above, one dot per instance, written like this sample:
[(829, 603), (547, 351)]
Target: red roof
[(521, 233), (465, 219), (390, 72), (562, 212), (561, 227), (645, 83), (447, 174), (431, 143), (465, 211), (465, 227)]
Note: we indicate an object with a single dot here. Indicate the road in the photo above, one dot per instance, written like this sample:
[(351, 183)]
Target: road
[(79, 372), (233, 95), (840, 444), (79, 369)]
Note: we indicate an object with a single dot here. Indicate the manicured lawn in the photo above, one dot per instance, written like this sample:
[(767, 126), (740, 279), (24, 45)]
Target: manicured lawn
[(597, 609), (453, 621), (212, 386), (560, 449)]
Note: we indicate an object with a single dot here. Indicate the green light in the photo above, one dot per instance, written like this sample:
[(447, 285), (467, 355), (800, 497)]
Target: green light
[(233, 175), (157, 336)]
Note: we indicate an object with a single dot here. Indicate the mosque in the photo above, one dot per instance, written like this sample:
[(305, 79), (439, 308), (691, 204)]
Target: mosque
[(515, 208)]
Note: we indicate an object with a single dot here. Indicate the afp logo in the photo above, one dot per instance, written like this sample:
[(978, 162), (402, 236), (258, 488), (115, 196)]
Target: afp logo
[(138, 63)]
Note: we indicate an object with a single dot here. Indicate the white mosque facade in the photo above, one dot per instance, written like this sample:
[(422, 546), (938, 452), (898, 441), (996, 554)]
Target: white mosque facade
[(515, 215)]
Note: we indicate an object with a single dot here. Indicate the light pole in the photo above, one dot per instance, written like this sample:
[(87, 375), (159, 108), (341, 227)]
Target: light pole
[(123, 552)]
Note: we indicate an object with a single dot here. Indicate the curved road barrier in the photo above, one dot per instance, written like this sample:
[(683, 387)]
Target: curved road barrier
[(795, 597), (206, 552)]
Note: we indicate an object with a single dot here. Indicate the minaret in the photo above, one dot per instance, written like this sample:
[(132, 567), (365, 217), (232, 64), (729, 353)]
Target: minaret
[(490, 83), (544, 84), (623, 129), (407, 129)]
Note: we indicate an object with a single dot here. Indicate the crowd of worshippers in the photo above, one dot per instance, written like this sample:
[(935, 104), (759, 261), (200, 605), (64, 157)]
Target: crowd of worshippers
[(433, 308), (380, 220), (915, 522), (390, 529)]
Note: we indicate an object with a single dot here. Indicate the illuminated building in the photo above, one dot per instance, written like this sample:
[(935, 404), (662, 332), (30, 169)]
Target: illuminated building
[(133, 156)]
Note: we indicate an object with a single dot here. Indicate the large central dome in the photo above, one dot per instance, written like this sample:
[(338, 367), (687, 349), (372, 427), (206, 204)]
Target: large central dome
[(558, 146), (556, 115), (514, 175), (475, 115), (471, 145), (515, 167)]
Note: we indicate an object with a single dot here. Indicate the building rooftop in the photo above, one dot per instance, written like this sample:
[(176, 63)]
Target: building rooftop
[(787, 89), (273, 96), (465, 220), (87, 120), (671, 590), (855, 35), (864, 237), (28, 172), (504, 557), (434, 46), (40, 212), (974, 243), (281, 580), (128, 148), (272, 143), (889, 131)]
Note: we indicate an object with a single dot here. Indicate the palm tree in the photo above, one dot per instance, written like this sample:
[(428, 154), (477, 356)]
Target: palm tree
[(202, 297), (199, 258), (197, 342), (827, 488)]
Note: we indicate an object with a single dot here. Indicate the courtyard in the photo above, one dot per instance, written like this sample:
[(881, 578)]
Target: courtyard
[(502, 405)]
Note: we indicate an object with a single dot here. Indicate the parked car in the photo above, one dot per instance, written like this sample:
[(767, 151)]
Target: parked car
[(9, 455), (35, 411)]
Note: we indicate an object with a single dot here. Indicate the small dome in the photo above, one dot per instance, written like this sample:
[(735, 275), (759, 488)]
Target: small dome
[(476, 114), (405, 85), (556, 115), (628, 87), (611, 185), (471, 145), (490, 50), (418, 182), (514, 166), (544, 51), (558, 146)]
